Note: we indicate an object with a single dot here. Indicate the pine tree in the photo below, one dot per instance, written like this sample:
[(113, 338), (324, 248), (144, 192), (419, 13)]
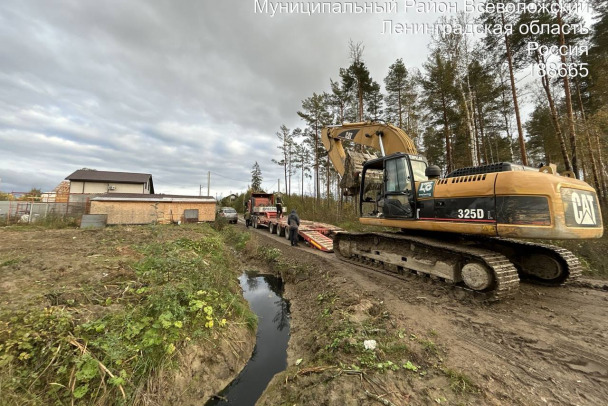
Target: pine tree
[(397, 86), (542, 145), (374, 101), (486, 92), (315, 113), (256, 178), (340, 100), (454, 47), (303, 157), (500, 43), (597, 58), (357, 77), (523, 57), (595, 89), (440, 100), (286, 147)]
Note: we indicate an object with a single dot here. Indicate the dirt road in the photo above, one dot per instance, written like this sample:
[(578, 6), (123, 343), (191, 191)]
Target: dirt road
[(547, 346)]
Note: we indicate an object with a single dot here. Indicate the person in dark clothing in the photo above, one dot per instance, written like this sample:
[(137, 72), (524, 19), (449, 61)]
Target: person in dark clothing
[(279, 204), (247, 219), (293, 221)]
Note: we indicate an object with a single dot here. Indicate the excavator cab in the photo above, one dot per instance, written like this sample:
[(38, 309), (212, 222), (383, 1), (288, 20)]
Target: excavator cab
[(388, 186)]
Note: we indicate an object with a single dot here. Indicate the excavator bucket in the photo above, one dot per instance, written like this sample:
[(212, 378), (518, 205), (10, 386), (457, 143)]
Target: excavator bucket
[(353, 165)]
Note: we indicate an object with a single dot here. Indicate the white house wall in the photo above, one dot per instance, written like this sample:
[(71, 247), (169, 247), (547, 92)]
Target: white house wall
[(106, 187)]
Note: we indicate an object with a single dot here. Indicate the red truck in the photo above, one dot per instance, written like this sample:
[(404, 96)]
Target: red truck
[(263, 212)]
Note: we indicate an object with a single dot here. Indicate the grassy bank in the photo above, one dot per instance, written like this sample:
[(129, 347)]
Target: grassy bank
[(103, 341)]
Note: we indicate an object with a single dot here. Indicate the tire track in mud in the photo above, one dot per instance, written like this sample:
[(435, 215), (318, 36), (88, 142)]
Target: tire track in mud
[(545, 346)]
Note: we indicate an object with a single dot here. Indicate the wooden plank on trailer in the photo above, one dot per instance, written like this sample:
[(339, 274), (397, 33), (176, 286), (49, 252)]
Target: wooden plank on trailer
[(318, 240)]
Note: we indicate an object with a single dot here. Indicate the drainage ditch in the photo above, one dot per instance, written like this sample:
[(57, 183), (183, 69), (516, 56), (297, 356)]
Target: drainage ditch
[(264, 294)]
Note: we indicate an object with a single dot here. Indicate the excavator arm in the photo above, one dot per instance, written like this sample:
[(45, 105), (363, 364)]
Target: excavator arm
[(385, 138)]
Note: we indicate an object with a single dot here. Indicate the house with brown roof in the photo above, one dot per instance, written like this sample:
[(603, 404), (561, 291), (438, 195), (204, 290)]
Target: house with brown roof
[(92, 182)]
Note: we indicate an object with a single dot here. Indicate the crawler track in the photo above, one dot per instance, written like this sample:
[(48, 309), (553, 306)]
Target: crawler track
[(551, 266), (442, 259), (401, 254)]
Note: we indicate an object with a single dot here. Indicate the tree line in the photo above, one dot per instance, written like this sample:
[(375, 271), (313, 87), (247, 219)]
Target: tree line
[(463, 108)]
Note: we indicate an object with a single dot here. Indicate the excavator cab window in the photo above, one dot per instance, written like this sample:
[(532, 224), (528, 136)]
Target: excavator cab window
[(388, 188), (418, 169), (398, 188)]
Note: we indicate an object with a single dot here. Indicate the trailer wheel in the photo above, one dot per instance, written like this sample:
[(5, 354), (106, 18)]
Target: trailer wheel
[(270, 228), (287, 233), (281, 230)]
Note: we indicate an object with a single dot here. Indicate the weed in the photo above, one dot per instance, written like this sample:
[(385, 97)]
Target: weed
[(269, 254), (410, 366), (9, 262), (459, 382), (48, 222), (396, 348), (220, 223), (236, 238), (429, 346)]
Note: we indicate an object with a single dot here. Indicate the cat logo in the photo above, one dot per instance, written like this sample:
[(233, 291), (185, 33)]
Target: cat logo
[(584, 210), (348, 134)]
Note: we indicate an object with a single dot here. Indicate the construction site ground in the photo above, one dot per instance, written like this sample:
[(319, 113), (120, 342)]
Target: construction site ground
[(547, 346)]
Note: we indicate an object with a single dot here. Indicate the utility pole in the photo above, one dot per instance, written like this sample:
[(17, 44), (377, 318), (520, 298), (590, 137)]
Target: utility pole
[(208, 182), (279, 185), (200, 190)]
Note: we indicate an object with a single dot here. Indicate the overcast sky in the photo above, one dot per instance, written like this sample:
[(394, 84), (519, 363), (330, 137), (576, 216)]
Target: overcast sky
[(171, 88)]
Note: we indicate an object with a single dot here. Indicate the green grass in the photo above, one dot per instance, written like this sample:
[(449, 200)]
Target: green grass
[(591, 253), (185, 290), (459, 382), (48, 222), (9, 262)]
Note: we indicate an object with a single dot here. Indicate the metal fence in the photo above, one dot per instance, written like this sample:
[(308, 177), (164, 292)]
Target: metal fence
[(15, 211)]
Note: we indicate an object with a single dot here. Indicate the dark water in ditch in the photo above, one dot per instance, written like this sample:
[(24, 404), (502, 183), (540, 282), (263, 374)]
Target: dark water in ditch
[(270, 353)]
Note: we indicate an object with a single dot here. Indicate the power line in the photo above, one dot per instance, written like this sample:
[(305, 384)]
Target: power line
[(226, 177), (271, 183)]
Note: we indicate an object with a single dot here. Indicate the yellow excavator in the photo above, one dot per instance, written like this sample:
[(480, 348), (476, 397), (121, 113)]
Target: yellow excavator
[(464, 228)]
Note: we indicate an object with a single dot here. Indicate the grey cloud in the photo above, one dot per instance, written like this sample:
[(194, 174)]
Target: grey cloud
[(171, 88)]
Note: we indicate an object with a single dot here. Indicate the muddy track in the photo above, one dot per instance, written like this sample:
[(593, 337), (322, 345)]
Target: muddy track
[(545, 346)]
